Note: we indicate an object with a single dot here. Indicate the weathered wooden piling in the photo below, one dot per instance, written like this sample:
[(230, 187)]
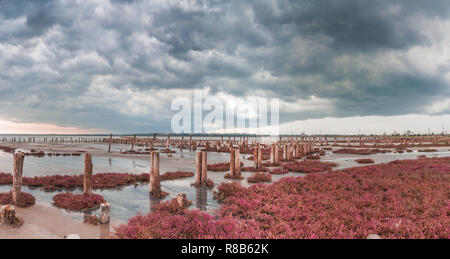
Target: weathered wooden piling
[(17, 177), (237, 162), (8, 215), (255, 157), (198, 172), (182, 200), (204, 167), (201, 176), (272, 154), (276, 155), (105, 213), (88, 167), (133, 142), (109, 144), (168, 142), (233, 163), (155, 184), (259, 164)]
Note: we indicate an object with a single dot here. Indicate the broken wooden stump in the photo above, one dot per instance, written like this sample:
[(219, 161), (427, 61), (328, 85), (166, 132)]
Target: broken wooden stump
[(105, 213), (17, 177), (8, 216), (182, 201)]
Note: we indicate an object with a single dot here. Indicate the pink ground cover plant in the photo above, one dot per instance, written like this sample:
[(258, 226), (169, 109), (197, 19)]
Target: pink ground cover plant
[(309, 166), (99, 181), (27, 200), (354, 151), (176, 175), (220, 167), (365, 161), (78, 202), (260, 178), (427, 150), (401, 199), (313, 157), (253, 169), (270, 164), (279, 171)]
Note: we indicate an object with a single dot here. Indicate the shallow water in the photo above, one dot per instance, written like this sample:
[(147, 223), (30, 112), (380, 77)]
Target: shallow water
[(130, 201)]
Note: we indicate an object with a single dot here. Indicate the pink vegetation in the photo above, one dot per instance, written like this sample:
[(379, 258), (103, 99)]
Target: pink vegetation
[(78, 202), (270, 164), (260, 178), (176, 175), (254, 169), (279, 171), (26, 201), (309, 166), (402, 199), (7, 149), (219, 167), (428, 150), (354, 151), (229, 176), (365, 161)]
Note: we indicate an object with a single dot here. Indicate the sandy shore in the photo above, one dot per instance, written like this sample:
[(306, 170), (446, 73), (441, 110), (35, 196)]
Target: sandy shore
[(44, 222)]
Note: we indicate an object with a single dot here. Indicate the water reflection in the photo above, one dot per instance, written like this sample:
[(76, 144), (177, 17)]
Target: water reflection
[(201, 198), (105, 230), (153, 202)]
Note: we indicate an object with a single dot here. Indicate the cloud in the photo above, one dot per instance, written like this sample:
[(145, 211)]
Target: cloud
[(116, 65)]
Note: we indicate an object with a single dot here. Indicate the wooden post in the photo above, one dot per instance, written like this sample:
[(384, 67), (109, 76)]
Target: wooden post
[(204, 167), (237, 161), (133, 143), (182, 200), (233, 163), (155, 185), (8, 215), (276, 155), (105, 213), (272, 154), (88, 174), (17, 177), (109, 144), (255, 157), (259, 165), (198, 176)]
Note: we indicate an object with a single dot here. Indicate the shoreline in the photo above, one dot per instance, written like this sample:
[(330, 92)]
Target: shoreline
[(46, 222)]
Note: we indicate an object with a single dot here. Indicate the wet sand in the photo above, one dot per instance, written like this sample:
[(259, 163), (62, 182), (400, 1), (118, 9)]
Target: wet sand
[(43, 222)]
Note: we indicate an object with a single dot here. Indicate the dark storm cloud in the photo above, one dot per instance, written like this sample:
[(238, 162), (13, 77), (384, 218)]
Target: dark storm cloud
[(56, 54)]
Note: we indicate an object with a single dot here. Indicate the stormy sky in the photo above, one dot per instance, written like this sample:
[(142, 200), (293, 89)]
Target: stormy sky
[(116, 65)]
